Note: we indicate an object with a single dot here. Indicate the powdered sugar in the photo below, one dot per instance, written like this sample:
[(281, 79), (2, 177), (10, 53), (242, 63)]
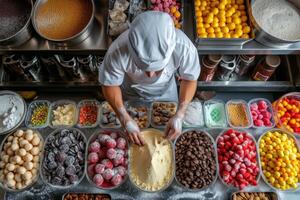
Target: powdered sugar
[(278, 18)]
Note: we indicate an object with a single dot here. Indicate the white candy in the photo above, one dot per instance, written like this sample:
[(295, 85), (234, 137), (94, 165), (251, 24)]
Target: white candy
[(10, 176), (28, 157), (29, 135), (21, 170), (22, 152), (35, 151), (19, 133), (28, 165), (36, 140), (28, 147)]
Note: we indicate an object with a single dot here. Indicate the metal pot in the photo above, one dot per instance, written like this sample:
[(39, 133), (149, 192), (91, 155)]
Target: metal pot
[(77, 38), (22, 35), (265, 38)]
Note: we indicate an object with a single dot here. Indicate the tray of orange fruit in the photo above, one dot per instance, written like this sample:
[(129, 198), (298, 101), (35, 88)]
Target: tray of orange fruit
[(222, 22)]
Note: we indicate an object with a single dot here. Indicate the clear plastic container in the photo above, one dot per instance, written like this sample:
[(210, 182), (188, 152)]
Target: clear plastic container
[(153, 124), (173, 166), (92, 139), (206, 108), (4, 187), (54, 106), (109, 125), (200, 114), (216, 160), (32, 106), (269, 109), (257, 158), (140, 104), (88, 102), (262, 174), (84, 166), (248, 117), (278, 122)]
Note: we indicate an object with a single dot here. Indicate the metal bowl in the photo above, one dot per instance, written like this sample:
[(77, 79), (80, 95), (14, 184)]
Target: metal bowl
[(267, 39), (73, 40), (23, 35)]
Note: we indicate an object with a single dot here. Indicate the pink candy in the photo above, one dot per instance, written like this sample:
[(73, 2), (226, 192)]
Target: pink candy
[(94, 147), (108, 174), (111, 153), (93, 157), (121, 143), (260, 114), (99, 168), (98, 179), (110, 143), (116, 179), (107, 163)]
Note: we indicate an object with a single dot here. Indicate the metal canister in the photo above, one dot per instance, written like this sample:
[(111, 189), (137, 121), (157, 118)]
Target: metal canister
[(226, 68), (86, 68), (266, 67), (32, 68), (209, 67), (11, 64), (69, 65), (244, 63), (55, 71)]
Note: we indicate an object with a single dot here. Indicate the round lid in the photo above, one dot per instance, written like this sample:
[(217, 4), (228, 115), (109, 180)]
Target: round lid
[(273, 61), (215, 58)]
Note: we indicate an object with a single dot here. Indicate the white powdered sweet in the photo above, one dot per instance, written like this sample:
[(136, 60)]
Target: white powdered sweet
[(278, 18)]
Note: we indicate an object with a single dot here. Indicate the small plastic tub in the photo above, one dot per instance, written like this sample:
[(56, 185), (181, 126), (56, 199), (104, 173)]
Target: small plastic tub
[(216, 160), (90, 196), (269, 109), (89, 102), (257, 158), (219, 115), (153, 123), (55, 105), (247, 116), (105, 105), (31, 109), (173, 166), (139, 105), (106, 131), (198, 112), (4, 187), (57, 131), (239, 195), (263, 175)]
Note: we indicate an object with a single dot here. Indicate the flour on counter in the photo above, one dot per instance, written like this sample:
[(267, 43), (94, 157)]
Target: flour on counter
[(11, 112), (278, 18)]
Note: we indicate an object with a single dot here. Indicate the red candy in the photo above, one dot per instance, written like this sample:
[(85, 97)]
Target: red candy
[(107, 160), (88, 115), (261, 116), (237, 158)]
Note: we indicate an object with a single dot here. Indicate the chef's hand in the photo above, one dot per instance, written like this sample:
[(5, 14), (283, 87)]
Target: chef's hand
[(131, 127), (174, 127)]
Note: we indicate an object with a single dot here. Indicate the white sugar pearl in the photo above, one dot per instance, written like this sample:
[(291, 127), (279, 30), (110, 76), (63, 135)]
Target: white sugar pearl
[(35, 151), (10, 176), (22, 152), (5, 158), (10, 167), (10, 138), (36, 159), (28, 147), (27, 175), (29, 135), (19, 133), (21, 170), (28, 165), (11, 183), (18, 178), (14, 146), (36, 140), (28, 157), (23, 143), (17, 159)]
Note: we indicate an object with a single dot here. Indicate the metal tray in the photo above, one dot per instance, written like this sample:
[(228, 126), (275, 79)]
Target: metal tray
[(216, 160), (262, 174), (222, 41), (89, 102), (238, 101), (173, 171), (92, 138), (40, 161), (257, 158), (30, 110)]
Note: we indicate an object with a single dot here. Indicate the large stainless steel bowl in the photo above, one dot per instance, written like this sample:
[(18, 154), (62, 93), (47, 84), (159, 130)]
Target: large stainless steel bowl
[(23, 35), (267, 39), (75, 39)]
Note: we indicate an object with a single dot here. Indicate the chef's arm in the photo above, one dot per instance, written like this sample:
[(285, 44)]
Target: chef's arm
[(186, 95), (113, 96)]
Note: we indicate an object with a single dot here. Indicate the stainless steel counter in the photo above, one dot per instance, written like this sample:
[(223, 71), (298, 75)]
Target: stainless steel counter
[(127, 191)]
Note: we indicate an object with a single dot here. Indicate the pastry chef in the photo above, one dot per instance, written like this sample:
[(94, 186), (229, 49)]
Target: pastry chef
[(141, 64)]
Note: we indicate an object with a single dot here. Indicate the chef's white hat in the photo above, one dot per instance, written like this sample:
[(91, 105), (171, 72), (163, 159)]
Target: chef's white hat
[(152, 40)]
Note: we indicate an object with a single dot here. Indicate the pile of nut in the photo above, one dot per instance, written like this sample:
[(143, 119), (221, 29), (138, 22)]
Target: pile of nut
[(139, 114), (195, 158), (86, 196), (39, 115), (109, 118), (63, 162), (107, 159), (254, 196), (162, 112), (20, 158)]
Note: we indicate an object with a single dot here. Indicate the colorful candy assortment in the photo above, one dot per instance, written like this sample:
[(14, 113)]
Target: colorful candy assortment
[(261, 113), (238, 166), (280, 160), (88, 114), (169, 6), (39, 115), (107, 159), (288, 113)]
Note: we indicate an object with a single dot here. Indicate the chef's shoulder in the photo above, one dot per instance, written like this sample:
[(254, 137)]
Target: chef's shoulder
[(183, 44), (118, 52)]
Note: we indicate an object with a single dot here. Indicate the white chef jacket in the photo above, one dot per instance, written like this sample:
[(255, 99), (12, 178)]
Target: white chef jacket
[(119, 69)]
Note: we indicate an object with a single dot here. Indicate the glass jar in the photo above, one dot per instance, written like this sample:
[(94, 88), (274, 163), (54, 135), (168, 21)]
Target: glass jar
[(245, 62), (265, 68), (209, 67)]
